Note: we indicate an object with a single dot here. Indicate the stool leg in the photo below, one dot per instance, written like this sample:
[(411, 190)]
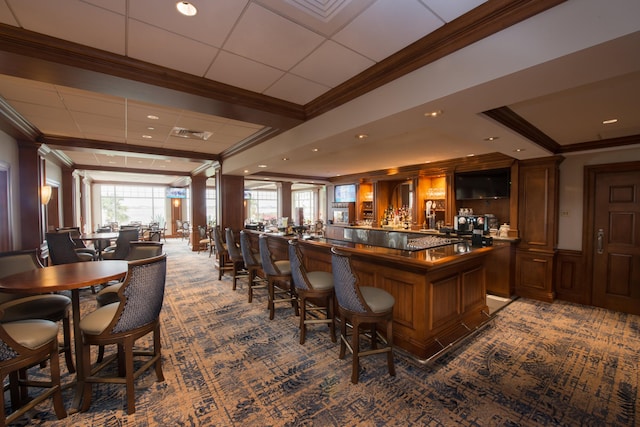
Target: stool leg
[(271, 299), (330, 315), (392, 368), (355, 345), (303, 317), (343, 336)]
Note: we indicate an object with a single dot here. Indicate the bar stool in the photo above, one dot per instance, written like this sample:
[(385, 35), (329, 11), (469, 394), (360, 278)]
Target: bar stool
[(279, 282), (361, 306), (235, 257), (315, 293), (252, 264)]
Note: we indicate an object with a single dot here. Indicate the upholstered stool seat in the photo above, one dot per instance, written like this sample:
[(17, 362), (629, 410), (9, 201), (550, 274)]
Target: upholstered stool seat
[(97, 321), (49, 306), (378, 300), (32, 333)]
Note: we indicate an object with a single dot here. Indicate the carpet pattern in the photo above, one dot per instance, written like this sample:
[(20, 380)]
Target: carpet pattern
[(226, 364)]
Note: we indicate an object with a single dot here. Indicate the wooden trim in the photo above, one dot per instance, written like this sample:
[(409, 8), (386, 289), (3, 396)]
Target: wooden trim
[(570, 284), (507, 117), (602, 143)]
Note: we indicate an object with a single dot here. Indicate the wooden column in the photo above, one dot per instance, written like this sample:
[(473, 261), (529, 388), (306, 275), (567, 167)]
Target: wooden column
[(67, 197), (284, 198), (198, 207), (230, 190)]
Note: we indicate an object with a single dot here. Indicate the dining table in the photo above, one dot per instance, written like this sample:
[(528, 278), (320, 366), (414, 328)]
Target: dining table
[(97, 237), (67, 277)]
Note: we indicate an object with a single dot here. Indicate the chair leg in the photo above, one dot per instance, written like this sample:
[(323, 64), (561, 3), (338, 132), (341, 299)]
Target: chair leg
[(252, 277), (128, 356), (390, 364), (58, 404), (157, 351), (331, 315), (303, 318), (355, 345), (271, 298), (343, 337)]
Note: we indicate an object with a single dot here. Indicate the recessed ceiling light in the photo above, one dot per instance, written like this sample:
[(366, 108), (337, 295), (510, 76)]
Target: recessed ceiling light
[(435, 113), (517, 150), (186, 8), (151, 128), (470, 155), (609, 121), (246, 171), (491, 138), (315, 150), (147, 136), (262, 166), (152, 117), (362, 136), (285, 158)]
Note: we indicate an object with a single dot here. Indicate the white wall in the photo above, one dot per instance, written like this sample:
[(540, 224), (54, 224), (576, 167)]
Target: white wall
[(9, 158), (571, 205)]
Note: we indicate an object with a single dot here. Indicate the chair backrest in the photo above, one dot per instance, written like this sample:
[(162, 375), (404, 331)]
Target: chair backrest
[(141, 250), (268, 264), (75, 235), (346, 283), (298, 271), (125, 237), (154, 236), (203, 232), (217, 240), (15, 262), (62, 250), (141, 295), (248, 256), (232, 247)]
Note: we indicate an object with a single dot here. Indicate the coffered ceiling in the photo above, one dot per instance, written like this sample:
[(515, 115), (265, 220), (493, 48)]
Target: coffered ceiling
[(283, 87)]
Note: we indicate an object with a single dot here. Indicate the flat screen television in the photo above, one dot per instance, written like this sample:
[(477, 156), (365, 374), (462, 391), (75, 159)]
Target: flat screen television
[(345, 193), (490, 184), (176, 193)]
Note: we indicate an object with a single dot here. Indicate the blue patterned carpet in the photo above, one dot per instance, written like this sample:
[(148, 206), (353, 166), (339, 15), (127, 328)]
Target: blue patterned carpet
[(226, 364)]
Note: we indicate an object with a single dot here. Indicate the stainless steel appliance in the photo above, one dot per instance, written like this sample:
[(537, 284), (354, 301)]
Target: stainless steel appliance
[(466, 224)]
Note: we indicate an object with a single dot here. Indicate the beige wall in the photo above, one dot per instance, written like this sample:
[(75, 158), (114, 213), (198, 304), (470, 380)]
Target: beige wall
[(571, 204)]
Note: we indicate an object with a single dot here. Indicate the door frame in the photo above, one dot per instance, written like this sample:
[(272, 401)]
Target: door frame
[(590, 175)]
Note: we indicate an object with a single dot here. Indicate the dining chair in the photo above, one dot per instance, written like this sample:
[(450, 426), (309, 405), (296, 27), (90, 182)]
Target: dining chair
[(25, 343), (50, 306), (361, 306), (204, 241), (135, 315), (315, 293), (62, 250), (222, 254), (235, 257), (279, 282), (80, 246), (252, 264), (123, 243)]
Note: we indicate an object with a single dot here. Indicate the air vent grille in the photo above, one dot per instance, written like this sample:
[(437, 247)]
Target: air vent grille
[(191, 134)]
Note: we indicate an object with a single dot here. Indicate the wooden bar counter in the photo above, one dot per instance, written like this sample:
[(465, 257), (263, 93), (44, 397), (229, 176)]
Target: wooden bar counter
[(440, 293)]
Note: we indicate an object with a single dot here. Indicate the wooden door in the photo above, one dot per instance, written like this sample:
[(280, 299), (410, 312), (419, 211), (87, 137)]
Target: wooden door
[(614, 237)]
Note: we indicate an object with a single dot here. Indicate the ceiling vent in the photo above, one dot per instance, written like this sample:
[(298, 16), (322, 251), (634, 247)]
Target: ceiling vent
[(190, 134)]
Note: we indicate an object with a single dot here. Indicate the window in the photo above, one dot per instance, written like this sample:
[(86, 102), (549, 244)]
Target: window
[(212, 210), (262, 206), (305, 199), (127, 203)]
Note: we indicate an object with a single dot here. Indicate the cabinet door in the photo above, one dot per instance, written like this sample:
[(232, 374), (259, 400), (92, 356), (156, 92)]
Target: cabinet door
[(538, 201), (534, 275)]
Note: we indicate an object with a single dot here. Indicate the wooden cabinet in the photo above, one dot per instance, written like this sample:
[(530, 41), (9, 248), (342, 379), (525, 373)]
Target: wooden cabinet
[(500, 269), (538, 186)]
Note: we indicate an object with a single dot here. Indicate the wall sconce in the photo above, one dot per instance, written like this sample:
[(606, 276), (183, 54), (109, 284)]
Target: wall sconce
[(176, 202), (45, 194)]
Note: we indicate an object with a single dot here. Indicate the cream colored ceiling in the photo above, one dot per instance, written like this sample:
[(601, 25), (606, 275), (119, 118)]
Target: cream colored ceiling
[(564, 70)]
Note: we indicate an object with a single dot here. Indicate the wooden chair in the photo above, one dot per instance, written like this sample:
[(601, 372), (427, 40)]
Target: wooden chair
[(204, 241), (315, 293), (23, 344), (361, 306), (279, 282), (252, 264), (136, 315), (222, 254), (62, 250), (123, 243), (16, 307), (235, 257)]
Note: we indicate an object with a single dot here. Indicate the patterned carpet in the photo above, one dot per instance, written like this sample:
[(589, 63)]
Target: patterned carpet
[(226, 364)]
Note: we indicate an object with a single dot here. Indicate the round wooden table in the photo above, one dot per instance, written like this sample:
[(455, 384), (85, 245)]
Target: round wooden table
[(65, 277)]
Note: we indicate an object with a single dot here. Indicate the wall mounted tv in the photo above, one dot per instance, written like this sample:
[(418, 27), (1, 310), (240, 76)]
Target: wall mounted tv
[(176, 193), (489, 184), (345, 193)]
